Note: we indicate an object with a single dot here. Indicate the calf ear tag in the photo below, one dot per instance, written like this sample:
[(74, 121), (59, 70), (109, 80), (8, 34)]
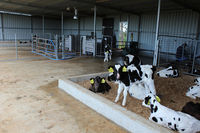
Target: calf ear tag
[(103, 81), (124, 69), (111, 70), (92, 81), (148, 102), (158, 99)]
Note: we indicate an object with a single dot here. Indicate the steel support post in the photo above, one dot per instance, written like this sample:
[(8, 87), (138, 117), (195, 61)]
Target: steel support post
[(43, 26), (155, 57), (95, 8), (16, 46)]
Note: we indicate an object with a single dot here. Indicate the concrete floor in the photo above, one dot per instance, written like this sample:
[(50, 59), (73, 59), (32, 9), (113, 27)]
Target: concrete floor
[(31, 101)]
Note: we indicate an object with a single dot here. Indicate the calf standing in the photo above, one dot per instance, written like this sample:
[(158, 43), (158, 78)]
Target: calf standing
[(107, 53), (120, 75), (126, 77)]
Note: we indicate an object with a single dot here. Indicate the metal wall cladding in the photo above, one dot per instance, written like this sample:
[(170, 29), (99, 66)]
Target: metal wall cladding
[(70, 23), (177, 23), (54, 24), (24, 28), (177, 28), (86, 26), (133, 27), (37, 23), (15, 24), (16, 21)]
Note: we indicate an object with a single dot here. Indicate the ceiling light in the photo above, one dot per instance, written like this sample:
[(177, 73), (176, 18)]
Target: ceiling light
[(75, 14), (68, 8)]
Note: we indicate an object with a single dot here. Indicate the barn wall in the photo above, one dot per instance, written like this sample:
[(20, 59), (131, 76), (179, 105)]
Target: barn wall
[(173, 24), (15, 24), (24, 26), (86, 26), (51, 26)]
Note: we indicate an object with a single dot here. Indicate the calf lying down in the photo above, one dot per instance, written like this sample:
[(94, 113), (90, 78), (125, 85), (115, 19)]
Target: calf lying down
[(99, 84), (171, 71), (130, 77), (192, 109), (169, 118), (194, 92)]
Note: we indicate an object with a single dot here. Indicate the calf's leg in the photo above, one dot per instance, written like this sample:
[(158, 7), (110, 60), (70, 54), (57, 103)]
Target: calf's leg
[(125, 95), (120, 89)]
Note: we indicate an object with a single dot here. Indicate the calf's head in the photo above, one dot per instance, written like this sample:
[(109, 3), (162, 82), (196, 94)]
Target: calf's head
[(128, 59), (95, 83), (151, 101), (114, 72)]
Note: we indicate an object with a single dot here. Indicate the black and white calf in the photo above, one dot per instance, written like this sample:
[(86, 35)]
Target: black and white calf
[(107, 53), (128, 78), (143, 74), (132, 59), (175, 120), (120, 75), (99, 84), (193, 92), (171, 71)]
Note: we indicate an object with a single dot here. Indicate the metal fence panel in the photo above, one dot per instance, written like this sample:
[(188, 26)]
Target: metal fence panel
[(181, 52)]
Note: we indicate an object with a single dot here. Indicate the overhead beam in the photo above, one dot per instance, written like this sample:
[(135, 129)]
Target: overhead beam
[(104, 6), (185, 5)]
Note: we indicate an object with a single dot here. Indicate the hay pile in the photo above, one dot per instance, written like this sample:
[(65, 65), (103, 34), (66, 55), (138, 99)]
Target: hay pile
[(171, 91)]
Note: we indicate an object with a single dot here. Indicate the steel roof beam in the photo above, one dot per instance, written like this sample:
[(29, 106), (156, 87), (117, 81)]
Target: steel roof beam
[(185, 5)]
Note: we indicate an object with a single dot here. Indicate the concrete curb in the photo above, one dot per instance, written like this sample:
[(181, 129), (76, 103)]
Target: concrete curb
[(119, 115)]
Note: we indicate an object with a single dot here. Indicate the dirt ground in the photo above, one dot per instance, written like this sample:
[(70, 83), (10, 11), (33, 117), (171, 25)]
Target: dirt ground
[(171, 91), (31, 101)]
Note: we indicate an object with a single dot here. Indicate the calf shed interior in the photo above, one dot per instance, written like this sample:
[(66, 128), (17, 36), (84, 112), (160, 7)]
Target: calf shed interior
[(42, 41)]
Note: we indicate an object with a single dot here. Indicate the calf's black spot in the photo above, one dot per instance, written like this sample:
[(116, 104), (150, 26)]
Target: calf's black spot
[(182, 129), (169, 124), (146, 75), (154, 119), (179, 119), (174, 72), (175, 127), (155, 109), (161, 119)]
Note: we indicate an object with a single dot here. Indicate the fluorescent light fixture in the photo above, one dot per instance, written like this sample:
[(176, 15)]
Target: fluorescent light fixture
[(75, 17), (15, 13), (75, 14)]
